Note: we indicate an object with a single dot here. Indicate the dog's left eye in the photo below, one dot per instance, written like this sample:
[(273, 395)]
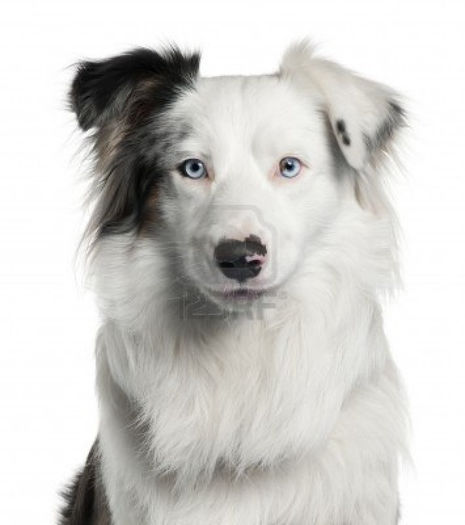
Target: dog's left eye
[(193, 168), (290, 167)]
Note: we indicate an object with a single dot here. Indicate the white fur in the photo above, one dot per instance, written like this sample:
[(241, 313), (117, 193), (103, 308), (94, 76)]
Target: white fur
[(291, 412)]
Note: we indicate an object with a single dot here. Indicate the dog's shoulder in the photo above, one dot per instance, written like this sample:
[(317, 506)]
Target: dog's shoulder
[(85, 499)]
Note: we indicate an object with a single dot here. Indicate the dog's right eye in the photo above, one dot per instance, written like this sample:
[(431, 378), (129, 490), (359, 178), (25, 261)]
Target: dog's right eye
[(193, 168)]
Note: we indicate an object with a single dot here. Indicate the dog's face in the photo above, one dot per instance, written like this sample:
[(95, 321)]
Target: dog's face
[(239, 178), (250, 184)]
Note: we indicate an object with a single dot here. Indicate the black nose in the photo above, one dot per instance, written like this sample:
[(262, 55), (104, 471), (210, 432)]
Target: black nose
[(240, 260)]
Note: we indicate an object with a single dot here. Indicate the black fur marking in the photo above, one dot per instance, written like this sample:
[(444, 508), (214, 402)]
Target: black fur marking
[(123, 98), (341, 129), (340, 126), (86, 502), (101, 90), (346, 139)]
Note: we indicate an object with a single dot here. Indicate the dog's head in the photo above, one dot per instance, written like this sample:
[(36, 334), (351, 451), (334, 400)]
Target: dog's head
[(237, 179)]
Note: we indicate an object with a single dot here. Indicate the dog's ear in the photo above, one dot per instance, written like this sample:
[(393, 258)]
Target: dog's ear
[(121, 100), (108, 89), (364, 116)]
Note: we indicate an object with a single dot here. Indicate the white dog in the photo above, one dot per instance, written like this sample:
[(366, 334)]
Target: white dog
[(241, 241)]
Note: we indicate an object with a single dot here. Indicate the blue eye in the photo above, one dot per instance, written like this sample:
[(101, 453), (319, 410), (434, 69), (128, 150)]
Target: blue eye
[(193, 168), (290, 167)]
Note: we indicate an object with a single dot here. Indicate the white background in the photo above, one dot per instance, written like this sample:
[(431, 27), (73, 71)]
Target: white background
[(48, 321)]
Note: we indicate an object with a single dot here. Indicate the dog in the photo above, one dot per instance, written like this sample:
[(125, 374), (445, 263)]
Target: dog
[(241, 244)]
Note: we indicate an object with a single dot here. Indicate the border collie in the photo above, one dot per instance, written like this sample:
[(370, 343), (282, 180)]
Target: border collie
[(241, 244)]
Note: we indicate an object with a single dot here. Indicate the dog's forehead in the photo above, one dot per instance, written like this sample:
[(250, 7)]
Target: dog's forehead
[(249, 108), (250, 97)]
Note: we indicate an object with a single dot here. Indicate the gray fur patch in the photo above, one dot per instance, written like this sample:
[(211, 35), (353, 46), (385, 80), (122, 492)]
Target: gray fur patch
[(394, 120)]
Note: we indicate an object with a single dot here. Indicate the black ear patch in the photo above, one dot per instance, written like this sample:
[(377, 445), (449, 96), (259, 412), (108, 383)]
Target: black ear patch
[(102, 90), (122, 99)]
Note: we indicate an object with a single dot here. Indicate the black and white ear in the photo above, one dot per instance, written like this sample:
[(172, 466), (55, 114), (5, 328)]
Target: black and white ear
[(105, 90), (365, 116)]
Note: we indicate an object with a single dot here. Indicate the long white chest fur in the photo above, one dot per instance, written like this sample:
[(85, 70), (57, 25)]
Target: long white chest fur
[(292, 418)]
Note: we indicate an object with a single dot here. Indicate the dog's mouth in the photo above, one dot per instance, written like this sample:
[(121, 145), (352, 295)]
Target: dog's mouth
[(241, 294), (238, 295)]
